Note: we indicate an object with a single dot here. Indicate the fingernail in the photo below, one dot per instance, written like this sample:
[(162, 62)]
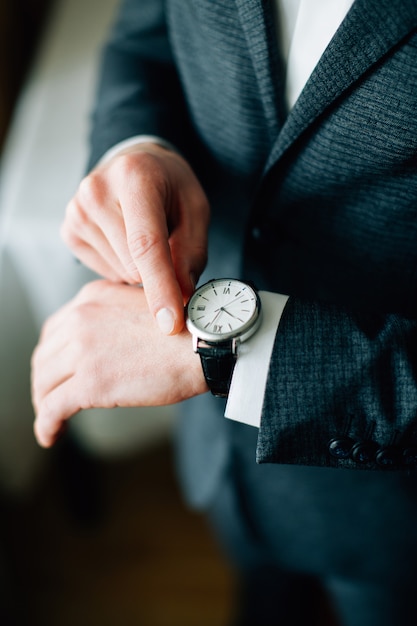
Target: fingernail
[(165, 320)]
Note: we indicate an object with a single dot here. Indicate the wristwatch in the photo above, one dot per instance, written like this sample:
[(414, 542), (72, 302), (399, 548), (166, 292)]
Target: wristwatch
[(221, 314)]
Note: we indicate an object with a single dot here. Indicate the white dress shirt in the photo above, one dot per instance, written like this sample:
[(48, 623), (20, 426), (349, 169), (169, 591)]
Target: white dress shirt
[(304, 30)]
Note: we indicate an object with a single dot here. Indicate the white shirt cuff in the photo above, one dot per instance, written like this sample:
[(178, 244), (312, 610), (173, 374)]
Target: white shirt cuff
[(133, 141), (247, 389)]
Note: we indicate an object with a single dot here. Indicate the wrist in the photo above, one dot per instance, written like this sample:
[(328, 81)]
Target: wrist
[(184, 367), (221, 315), (136, 143)]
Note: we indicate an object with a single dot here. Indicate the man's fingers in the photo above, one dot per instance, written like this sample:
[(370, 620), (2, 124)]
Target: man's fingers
[(189, 254), (53, 413), (143, 218), (98, 236), (98, 263), (166, 215), (45, 378), (189, 239), (163, 293), (145, 215)]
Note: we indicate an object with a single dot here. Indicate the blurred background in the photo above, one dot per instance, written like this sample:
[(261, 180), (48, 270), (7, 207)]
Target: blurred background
[(95, 530)]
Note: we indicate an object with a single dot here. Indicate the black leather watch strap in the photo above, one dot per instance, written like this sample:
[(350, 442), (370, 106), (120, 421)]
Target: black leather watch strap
[(218, 362)]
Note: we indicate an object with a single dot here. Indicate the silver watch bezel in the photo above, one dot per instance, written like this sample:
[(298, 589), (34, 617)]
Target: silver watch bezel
[(239, 335)]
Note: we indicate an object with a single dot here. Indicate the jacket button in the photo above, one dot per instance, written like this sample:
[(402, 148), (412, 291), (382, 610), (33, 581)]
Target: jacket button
[(340, 447), (389, 457), (364, 452)]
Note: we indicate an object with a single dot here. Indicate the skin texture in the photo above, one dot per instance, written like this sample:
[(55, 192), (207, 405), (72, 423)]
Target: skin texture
[(142, 217), (138, 218), (103, 349)]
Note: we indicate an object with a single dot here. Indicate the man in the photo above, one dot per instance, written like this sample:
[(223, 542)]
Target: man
[(307, 153)]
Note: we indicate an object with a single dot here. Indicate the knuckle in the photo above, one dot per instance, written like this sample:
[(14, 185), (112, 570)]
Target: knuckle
[(136, 162), (127, 164), (142, 169), (85, 293), (74, 211), (91, 190), (90, 291), (75, 214), (143, 244), (74, 224), (79, 324)]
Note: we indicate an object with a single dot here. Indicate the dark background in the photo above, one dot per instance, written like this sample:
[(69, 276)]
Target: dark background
[(99, 542), (21, 23)]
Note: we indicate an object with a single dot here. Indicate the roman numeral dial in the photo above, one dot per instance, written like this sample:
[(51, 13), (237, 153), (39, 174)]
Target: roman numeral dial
[(222, 307)]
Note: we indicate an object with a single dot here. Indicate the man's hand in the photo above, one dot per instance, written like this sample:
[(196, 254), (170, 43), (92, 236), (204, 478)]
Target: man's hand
[(142, 217), (102, 349)]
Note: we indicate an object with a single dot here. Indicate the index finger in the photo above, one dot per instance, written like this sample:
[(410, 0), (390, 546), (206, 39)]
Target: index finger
[(147, 237)]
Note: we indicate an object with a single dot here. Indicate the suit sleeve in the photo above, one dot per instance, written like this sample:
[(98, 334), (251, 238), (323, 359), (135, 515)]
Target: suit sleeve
[(339, 379), (342, 384), (338, 226), (139, 91)]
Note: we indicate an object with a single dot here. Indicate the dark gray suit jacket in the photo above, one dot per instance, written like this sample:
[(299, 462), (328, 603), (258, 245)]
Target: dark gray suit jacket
[(320, 204)]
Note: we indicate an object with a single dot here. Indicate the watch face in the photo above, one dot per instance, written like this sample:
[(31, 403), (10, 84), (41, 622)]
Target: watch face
[(222, 309)]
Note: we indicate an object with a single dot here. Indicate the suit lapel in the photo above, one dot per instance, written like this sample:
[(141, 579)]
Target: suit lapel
[(257, 20), (370, 30)]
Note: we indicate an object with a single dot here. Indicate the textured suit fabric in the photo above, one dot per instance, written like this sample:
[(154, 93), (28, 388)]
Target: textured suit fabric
[(347, 235), (320, 204), (330, 192), (362, 383)]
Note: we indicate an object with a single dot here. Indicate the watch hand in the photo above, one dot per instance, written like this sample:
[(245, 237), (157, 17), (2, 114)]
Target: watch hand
[(234, 316), (220, 311), (231, 301)]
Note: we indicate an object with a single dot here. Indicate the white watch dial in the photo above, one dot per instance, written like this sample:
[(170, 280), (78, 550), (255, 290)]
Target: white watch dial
[(222, 307)]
